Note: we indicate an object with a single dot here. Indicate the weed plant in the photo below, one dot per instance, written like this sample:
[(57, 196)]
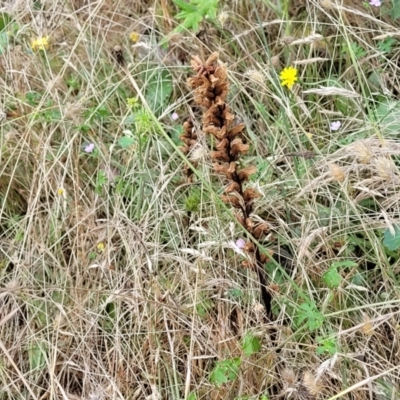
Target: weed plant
[(130, 262)]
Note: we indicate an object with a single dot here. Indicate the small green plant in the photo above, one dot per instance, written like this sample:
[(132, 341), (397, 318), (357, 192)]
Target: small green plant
[(251, 344), (309, 313), (193, 12), (192, 201), (386, 45), (332, 278), (225, 371), (326, 346), (355, 48)]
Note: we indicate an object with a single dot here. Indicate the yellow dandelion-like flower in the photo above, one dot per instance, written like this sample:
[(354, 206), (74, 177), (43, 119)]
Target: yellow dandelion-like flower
[(134, 36), (288, 77), (41, 43), (60, 191), (101, 246)]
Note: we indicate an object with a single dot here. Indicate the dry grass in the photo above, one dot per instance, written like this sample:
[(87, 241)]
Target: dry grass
[(111, 289)]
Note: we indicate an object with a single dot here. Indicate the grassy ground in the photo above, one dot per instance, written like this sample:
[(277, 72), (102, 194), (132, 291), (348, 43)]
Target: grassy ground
[(120, 277)]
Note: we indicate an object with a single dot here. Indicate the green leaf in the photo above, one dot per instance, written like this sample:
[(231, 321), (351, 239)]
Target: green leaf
[(225, 371), (392, 242), (395, 12), (203, 307), (344, 264), (332, 278), (388, 113), (5, 19), (158, 90), (309, 313), (326, 346), (3, 42), (251, 345), (126, 141), (37, 355), (192, 13)]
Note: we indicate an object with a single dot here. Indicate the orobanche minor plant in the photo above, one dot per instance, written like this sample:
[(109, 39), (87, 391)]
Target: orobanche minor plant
[(211, 87)]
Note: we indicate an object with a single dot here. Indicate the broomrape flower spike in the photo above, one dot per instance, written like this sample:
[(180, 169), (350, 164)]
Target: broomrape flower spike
[(41, 43), (288, 77)]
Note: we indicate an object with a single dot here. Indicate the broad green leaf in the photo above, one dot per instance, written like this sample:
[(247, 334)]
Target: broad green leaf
[(392, 242), (395, 12), (158, 90), (37, 355), (332, 278), (251, 345), (225, 371), (126, 141), (388, 114)]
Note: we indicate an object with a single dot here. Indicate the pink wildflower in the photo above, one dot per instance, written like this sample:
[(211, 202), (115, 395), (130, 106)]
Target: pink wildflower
[(376, 3), (89, 148)]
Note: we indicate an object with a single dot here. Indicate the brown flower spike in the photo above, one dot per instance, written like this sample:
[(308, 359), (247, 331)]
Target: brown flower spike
[(210, 85)]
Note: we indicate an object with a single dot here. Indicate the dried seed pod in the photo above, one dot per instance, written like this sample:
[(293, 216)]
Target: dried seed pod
[(221, 155), (223, 144), (239, 218), (238, 147), (232, 187), (245, 173), (236, 130), (337, 173), (212, 59), (250, 194), (231, 199), (260, 230), (249, 247)]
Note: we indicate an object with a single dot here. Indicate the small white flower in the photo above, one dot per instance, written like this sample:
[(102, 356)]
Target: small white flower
[(89, 148), (174, 116), (335, 125)]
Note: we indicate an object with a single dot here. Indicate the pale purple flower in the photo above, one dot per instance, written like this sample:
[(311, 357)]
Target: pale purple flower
[(240, 243), (335, 125), (174, 116), (89, 148), (376, 3)]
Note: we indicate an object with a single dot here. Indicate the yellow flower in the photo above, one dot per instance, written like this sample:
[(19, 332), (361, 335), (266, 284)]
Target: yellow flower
[(41, 43), (101, 246), (288, 77), (134, 36), (60, 191)]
